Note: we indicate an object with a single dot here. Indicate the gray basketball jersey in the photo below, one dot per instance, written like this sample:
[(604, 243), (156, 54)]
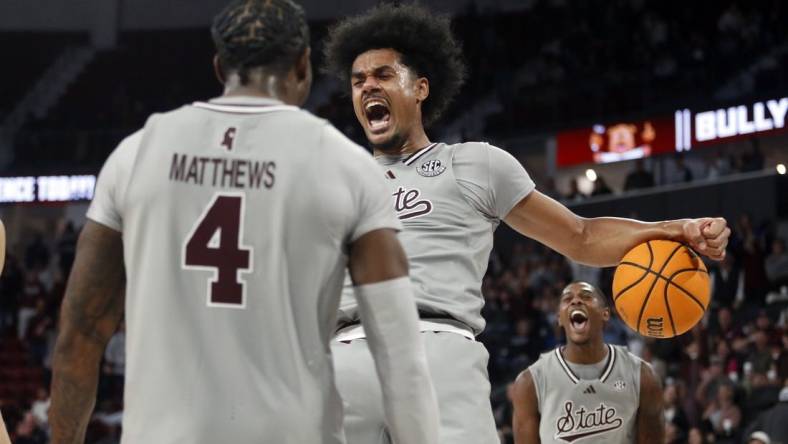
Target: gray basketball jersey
[(448, 218), (601, 410), (235, 216)]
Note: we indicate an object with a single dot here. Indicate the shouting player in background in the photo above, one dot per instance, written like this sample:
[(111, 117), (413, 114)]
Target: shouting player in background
[(587, 389), (227, 224), (403, 67)]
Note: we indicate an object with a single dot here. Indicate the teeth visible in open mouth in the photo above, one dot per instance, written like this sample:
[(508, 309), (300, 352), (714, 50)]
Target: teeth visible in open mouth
[(578, 318), (377, 113), (368, 106)]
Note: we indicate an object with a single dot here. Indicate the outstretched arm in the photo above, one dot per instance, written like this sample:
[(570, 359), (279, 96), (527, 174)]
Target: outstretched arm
[(92, 307), (651, 415), (526, 411), (603, 241)]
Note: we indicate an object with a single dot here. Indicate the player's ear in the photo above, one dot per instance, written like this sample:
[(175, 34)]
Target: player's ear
[(422, 87), (218, 70), (606, 314), (303, 66)]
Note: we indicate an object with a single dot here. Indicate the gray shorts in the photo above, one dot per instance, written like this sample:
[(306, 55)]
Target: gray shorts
[(459, 372)]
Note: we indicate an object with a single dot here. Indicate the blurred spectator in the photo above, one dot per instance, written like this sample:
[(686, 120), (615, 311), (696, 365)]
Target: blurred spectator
[(11, 284), (753, 160), (600, 187), (66, 248), (32, 292), (680, 173), (774, 422), (639, 178), (759, 437), (696, 436), (723, 415), (777, 264), (28, 432), (674, 413), (574, 191), (727, 282), (37, 254), (40, 408)]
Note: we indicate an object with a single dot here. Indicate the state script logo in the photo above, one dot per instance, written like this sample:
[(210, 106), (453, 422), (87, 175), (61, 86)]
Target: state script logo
[(408, 205), (583, 423)]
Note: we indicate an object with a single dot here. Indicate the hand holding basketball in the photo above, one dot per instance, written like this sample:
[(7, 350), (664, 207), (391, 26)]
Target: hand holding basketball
[(707, 236)]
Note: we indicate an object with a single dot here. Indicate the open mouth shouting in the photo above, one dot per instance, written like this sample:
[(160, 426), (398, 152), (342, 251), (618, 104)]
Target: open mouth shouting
[(578, 319), (378, 115)]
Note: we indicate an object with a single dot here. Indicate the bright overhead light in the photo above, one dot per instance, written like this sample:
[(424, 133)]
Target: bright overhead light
[(591, 175), (781, 168)]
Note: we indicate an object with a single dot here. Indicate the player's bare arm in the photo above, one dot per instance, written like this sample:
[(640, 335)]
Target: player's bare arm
[(92, 308), (603, 241), (377, 256), (651, 417), (526, 413)]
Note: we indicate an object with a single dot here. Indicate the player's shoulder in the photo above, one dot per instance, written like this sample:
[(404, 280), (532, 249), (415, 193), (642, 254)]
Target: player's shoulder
[(468, 149), (126, 151), (338, 146), (545, 359)]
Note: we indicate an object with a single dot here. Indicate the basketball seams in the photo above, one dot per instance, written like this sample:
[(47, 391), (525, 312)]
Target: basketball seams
[(683, 290), (667, 307), (640, 279), (670, 280), (653, 284)]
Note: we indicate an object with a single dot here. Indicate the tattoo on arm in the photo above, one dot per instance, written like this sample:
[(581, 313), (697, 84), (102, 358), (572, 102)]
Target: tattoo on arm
[(92, 308), (651, 416)]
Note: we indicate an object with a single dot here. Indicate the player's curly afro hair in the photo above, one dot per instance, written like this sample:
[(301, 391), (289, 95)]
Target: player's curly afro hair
[(424, 40), (268, 34)]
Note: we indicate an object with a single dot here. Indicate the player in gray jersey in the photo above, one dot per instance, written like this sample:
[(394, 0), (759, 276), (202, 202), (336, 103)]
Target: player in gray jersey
[(228, 225), (403, 66), (587, 391)]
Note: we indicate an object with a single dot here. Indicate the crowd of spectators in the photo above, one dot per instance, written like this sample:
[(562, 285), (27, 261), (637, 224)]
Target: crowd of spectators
[(722, 380), (549, 64), (680, 169)]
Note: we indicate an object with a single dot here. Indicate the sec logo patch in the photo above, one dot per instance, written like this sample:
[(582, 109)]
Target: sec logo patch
[(431, 168)]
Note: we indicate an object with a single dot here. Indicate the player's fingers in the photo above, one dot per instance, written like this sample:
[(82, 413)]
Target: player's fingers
[(717, 256), (693, 234), (721, 240), (713, 227)]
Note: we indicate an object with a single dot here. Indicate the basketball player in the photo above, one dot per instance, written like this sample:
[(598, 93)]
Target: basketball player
[(403, 67), (587, 389), (228, 224)]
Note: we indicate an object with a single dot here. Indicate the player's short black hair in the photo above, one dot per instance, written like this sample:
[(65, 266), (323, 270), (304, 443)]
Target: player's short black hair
[(268, 34), (424, 40), (596, 292)]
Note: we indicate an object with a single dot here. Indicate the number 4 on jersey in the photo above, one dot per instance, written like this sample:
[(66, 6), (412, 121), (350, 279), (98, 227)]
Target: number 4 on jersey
[(215, 244)]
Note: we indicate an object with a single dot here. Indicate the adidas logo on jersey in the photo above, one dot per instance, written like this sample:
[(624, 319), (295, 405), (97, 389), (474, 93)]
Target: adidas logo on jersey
[(589, 390)]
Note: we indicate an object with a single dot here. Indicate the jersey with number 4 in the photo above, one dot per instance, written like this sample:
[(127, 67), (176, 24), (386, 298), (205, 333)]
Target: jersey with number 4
[(235, 216)]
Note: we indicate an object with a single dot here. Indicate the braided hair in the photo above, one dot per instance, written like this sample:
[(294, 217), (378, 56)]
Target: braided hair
[(269, 34), (424, 41)]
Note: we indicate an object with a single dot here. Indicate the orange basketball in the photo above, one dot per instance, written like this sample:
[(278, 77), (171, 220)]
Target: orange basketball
[(661, 288)]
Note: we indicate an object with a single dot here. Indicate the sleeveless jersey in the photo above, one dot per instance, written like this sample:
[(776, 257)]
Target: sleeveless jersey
[(448, 223), (235, 216), (602, 410)]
